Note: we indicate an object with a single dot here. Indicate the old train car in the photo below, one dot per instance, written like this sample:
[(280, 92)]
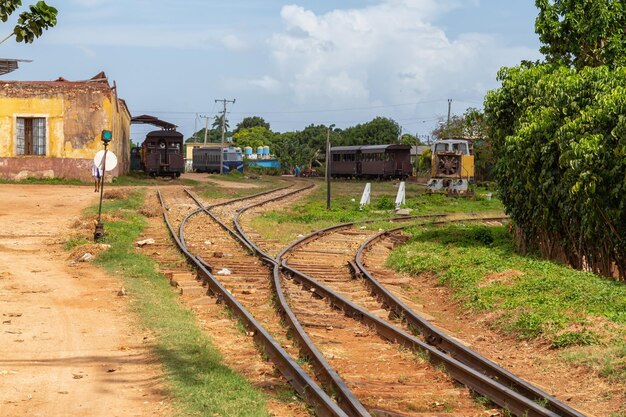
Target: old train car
[(371, 161), (135, 159), (452, 166), (161, 153), (208, 159)]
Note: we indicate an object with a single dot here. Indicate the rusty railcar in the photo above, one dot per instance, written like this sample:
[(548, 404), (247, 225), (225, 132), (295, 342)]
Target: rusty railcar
[(371, 161), (161, 153), (452, 166)]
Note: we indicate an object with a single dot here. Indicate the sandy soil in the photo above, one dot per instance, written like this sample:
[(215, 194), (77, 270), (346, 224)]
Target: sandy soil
[(200, 177), (68, 343)]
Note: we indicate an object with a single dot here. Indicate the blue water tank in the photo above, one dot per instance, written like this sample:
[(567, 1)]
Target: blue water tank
[(248, 150), (266, 150), (259, 150)]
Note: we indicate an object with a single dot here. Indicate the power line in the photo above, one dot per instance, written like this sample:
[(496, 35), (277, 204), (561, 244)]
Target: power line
[(309, 111)]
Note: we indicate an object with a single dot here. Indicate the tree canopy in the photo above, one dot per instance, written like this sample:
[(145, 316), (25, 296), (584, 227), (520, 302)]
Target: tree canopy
[(253, 137), (558, 131), (252, 121), (31, 23), (470, 125), (582, 33), (379, 130)]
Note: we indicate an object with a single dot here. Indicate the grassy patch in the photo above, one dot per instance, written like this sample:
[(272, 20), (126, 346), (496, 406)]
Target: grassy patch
[(199, 382), (531, 297), (46, 181), (310, 214), (210, 190)]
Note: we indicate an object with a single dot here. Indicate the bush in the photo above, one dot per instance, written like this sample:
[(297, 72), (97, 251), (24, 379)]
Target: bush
[(559, 137), (384, 203)]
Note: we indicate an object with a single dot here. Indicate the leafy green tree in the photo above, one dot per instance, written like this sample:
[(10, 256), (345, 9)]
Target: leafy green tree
[(217, 123), (558, 131), (30, 24), (582, 33), (252, 121), (253, 137), (379, 131), (470, 125), (408, 139), (213, 136), (291, 151)]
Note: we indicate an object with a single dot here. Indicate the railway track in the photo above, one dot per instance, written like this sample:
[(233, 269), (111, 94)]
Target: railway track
[(246, 290), (372, 253), (513, 394), (391, 397), (463, 364)]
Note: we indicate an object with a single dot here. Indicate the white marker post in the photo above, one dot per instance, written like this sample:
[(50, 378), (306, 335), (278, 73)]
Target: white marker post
[(365, 199), (400, 198)]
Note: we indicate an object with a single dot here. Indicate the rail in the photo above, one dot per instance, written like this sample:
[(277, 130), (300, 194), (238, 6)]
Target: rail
[(474, 379), (293, 373), (446, 343)]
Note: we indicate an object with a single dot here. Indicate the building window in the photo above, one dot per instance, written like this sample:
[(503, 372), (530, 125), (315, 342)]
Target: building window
[(31, 136)]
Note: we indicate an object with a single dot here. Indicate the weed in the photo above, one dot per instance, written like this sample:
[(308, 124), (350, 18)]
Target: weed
[(384, 202), (287, 395), (583, 337), (75, 241)]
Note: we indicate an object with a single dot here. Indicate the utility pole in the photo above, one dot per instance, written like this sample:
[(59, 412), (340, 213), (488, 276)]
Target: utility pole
[(328, 167), (206, 126), (449, 108), (224, 101), (416, 155)]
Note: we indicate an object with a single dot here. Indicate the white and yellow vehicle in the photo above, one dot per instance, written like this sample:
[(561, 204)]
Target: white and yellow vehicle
[(452, 166)]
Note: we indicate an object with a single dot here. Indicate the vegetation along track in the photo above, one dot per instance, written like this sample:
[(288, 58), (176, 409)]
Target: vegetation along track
[(243, 284), (324, 256)]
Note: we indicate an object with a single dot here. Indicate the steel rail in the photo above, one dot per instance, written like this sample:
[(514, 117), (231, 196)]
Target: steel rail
[(324, 370), (293, 373), (207, 210), (443, 341), (248, 197), (467, 376), (473, 379)]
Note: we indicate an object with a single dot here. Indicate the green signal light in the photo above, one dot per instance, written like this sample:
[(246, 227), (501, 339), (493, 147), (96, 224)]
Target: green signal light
[(107, 135)]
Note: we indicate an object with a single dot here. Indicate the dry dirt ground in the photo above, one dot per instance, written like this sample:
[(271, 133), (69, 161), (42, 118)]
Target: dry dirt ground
[(68, 343)]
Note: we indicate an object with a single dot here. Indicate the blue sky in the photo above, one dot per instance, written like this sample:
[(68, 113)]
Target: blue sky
[(293, 63)]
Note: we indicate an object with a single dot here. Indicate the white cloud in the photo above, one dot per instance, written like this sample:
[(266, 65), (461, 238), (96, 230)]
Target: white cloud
[(267, 83), (386, 53), (233, 43)]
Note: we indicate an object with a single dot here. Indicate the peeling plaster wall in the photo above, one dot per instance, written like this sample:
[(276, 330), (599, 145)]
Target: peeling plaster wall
[(76, 113)]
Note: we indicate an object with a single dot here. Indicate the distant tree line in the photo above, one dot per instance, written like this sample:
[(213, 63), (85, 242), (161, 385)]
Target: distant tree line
[(303, 147)]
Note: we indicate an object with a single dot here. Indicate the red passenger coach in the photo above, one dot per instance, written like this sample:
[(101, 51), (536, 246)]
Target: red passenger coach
[(371, 161)]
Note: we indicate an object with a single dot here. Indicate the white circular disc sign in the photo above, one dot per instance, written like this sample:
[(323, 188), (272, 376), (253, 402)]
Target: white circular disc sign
[(111, 161)]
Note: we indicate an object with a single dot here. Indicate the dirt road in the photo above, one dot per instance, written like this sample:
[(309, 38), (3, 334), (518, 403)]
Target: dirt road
[(68, 343)]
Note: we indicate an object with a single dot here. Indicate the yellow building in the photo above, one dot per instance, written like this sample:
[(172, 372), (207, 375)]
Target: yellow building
[(51, 129)]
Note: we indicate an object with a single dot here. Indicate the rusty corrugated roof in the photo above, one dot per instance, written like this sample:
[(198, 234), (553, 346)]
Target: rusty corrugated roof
[(9, 65), (151, 120)]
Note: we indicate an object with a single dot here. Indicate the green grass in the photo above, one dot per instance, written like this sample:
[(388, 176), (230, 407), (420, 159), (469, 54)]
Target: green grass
[(532, 298), (46, 181), (201, 385), (209, 190), (310, 214)]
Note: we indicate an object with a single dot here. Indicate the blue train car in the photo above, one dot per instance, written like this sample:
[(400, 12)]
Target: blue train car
[(208, 159)]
